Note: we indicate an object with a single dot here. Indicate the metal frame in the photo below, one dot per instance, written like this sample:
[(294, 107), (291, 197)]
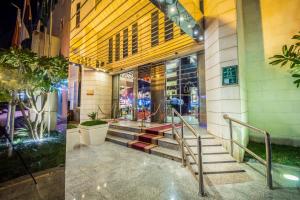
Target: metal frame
[(183, 144), (268, 162)]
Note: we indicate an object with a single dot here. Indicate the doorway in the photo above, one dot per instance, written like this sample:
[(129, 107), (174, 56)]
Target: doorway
[(182, 91)]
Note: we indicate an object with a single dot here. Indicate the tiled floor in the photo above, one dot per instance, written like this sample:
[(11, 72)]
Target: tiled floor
[(110, 171), (50, 186)]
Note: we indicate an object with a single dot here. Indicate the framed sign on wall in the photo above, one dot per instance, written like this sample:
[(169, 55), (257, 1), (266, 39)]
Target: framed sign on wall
[(230, 75)]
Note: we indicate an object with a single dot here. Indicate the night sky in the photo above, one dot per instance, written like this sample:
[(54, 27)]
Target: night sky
[(8, 15)]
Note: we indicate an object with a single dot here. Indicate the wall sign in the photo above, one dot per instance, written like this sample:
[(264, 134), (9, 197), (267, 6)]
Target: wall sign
[(90, 92), (230, 75)]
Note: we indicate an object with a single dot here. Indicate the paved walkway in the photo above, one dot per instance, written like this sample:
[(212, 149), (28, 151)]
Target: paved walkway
[(113, 172)]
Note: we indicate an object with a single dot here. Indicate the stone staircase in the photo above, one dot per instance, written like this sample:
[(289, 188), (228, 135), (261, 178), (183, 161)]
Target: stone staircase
[(218, 166), (165, 146)]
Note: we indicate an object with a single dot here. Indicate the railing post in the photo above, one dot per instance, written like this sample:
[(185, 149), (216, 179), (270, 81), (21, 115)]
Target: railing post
[(172, 113), (231, 137), (268, 160), (200, 168), (182, 146)]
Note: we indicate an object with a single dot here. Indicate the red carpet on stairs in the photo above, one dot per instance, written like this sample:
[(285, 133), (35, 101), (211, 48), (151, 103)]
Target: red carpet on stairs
[(148, 140), (148, 137), (156, 130), (142, 146)]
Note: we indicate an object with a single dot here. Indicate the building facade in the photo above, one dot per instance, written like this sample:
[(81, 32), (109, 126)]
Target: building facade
[(205, 58)]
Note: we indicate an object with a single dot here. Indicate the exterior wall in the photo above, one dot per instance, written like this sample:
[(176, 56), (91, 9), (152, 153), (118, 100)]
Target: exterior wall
[(220, 51), (100, 84), (273, 99), (89, 42), (61, 27)]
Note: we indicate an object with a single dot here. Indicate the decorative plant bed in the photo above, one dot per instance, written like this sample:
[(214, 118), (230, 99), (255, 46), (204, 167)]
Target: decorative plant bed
[(93, 132), (73, 138)]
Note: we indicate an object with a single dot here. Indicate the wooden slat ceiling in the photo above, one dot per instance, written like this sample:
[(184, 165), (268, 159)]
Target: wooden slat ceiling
[(89, 42)]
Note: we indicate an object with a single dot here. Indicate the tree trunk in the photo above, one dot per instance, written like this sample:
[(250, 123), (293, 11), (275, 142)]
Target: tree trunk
[(8, 118)]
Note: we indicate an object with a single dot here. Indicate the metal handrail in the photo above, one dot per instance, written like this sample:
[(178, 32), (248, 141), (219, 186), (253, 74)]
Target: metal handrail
[(183, 144), (268, 162)]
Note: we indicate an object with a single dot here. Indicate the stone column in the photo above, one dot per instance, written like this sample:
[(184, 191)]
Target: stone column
[(221, 50)]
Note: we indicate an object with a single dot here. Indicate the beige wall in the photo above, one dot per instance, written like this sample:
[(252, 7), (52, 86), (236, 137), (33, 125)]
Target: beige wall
[(101, 85), (220, 51), (273, 99)]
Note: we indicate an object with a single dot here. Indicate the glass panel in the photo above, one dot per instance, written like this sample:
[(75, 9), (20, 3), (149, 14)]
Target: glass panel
[(144, 93), (126, 96), (189, 89), (172, 87), (182, 88)]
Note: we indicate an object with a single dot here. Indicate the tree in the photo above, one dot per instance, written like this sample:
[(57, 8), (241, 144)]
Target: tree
[(290, 56), (23, 70)]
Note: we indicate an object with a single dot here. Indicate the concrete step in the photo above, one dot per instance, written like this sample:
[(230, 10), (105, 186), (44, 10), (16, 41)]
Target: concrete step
[(169, 134), (226, 178), (166, 153), (204, 142), (125, 128), (117, 140), (203, 136), (219, 168), (122, 133), (208, 150), (168, 143), (217, 158)]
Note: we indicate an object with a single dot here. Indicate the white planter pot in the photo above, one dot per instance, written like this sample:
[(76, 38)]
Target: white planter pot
[(93, 135), (72, 139)]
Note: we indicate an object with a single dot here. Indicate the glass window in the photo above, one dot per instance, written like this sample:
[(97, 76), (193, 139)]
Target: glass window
[(125, 43), (77, 15), (154, 29), (117, 48), (168, 29), (110, 50), (134, 38)]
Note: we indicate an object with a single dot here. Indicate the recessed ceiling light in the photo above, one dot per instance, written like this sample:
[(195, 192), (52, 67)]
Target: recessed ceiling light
[(291, 177), (172, 9)]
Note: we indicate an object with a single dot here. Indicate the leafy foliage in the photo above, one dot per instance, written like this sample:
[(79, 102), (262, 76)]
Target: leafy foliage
[(71, 126), (290, 56), (93, 123), (92, 115), (23, 69)]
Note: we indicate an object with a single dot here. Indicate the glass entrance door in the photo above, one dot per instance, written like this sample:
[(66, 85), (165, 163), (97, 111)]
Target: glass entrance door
[(144, 93), (182, 88)]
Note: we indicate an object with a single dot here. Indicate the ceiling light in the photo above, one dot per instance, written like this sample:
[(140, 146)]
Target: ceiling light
[(181, 18), (172, 9), (189, 26)]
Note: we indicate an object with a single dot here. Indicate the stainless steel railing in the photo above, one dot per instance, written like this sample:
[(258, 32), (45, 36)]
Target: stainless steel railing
[(268, 162), (183, 145)]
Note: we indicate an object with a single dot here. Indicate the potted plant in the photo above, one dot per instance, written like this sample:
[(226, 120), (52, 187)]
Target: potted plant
[(93, 132), (72, 137)]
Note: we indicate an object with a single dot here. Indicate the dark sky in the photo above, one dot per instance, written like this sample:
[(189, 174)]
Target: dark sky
[(8, 15)]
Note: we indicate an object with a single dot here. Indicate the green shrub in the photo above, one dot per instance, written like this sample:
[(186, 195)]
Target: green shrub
[(92, 115), (93, 123), (71, 126)]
